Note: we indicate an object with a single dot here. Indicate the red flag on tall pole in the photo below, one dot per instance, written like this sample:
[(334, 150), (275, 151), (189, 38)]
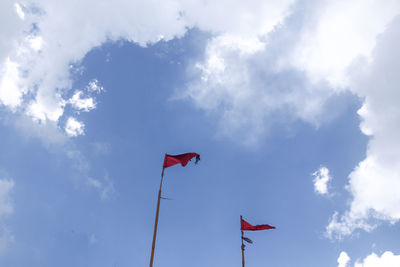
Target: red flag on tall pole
[(245, 226), (183, 159), (169, 160)]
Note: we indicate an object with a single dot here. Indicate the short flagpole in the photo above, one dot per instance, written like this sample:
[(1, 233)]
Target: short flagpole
[(156, 222), (242, 242)]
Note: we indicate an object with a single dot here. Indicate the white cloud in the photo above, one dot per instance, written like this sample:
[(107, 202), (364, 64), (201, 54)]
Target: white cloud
[(375, 181), (387, 259), (94, 86), (19, 11), (74, 127), (321, 180), (244, 19), (83, 104), (10, 90), (45, 54), (240, 84), (340, 227), (243, 86), (343, 259), (247, 82), (336, 33), (46, 108), (340, 45), (36, 42)]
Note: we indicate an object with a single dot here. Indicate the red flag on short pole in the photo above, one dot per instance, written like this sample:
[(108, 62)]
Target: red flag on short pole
[(183, 159), (245, 226)]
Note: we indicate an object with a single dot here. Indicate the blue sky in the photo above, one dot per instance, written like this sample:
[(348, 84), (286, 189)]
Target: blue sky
[(294, 115)]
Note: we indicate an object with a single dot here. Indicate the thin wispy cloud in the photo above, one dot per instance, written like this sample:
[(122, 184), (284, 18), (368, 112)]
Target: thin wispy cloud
[(6, 208)]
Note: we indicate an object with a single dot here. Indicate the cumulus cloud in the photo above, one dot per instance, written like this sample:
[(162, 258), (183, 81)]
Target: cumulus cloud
[(84, 100), (336, 33), (10, 93), (343, 259), (374, 182), (321, 180), (238, 81), (48, 41), (387, 259), (80, 103), (251, 80), (41, 42), (74, 127), (293, 69)]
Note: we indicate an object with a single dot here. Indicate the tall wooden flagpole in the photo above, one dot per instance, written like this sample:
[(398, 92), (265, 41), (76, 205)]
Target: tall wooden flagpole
[(169, 160), (156, 222), (242, 243)]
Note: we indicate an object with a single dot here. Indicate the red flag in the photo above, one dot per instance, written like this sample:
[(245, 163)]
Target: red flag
[(183, 159), (246, 226)]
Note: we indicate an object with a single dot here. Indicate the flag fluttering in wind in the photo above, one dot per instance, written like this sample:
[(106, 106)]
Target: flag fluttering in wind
[(169, 160), (245, 226), (183, 159)]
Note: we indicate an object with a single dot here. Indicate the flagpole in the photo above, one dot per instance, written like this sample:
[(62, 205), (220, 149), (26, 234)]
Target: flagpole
[(242, 243), (156, 222)]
